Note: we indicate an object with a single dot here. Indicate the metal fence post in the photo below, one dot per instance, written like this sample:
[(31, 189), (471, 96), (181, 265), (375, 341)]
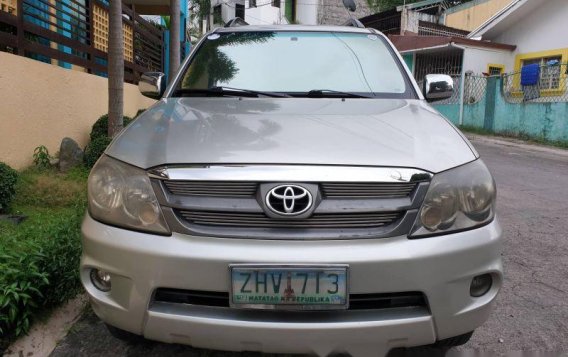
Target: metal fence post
[(462, 91)]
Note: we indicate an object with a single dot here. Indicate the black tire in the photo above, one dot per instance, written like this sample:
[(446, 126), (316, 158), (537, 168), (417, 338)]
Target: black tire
[(124, 335), (438, 349), (454, 341)]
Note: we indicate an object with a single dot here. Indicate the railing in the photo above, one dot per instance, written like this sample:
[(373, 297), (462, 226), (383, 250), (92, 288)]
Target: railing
[(74, 34), (426, 28), (551, 87)]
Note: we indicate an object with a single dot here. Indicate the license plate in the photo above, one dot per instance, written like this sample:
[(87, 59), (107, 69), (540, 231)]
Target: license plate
[(289, 287)]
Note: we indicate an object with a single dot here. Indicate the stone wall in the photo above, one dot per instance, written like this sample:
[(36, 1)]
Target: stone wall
[(332, 12)]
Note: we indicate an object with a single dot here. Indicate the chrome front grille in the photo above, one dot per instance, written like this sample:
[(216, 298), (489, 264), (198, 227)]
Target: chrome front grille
[(329, 189), (366, 189), (348, 202), (211, 188), (260, 220)]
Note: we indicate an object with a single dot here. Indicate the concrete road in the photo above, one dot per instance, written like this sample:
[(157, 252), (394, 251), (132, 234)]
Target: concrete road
[(531, 313)]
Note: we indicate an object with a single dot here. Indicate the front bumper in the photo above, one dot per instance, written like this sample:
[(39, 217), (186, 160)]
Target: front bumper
[(440, 267)]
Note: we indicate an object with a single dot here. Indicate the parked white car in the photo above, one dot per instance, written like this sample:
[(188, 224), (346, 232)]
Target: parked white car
[(293, 191)]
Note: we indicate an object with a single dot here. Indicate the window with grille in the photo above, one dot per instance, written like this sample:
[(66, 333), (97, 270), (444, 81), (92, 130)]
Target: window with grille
[(549, 71), (495, 71)]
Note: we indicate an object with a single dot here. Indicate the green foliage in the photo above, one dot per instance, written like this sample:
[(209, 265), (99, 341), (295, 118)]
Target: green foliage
[(39, 258), (100, 139), (8, 180), (95, 149), (41, 157), (100, 128), (140, 111)]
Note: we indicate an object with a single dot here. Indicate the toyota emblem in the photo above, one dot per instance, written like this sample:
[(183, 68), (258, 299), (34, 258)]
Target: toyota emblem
[(289, 200)]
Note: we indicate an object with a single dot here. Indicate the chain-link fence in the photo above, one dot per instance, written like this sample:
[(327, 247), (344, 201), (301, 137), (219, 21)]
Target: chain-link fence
[(551, 86), (474, 89)]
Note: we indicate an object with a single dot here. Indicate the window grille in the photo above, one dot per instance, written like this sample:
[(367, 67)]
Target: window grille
[(552, 84), (9, 6), (100, 24)]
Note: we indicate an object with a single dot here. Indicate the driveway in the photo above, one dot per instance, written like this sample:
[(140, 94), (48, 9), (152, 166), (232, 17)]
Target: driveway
[(531, 313)]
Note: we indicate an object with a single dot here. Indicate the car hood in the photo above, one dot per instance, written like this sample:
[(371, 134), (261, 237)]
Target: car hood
[(357, 132)]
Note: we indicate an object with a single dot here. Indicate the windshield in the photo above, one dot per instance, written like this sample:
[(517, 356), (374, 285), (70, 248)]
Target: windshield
[(295, 63)]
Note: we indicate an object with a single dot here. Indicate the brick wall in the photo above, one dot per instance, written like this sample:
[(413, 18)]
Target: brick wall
[(332, 12)]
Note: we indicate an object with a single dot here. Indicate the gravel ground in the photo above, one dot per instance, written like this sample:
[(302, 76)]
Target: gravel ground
[(531, 313)]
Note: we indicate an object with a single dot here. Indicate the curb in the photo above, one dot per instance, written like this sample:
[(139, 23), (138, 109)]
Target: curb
[(43, 337), (516, 143)]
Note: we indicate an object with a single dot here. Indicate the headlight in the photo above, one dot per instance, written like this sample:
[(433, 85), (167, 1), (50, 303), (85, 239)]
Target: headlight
[(458, 199), (121, 195)]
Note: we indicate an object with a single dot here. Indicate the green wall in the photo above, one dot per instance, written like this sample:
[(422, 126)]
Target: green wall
[(409, 59), (544, 121)]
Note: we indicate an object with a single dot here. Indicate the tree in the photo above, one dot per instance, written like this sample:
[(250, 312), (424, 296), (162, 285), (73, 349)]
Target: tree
[(198, 11), (115, 68), (174, 37)]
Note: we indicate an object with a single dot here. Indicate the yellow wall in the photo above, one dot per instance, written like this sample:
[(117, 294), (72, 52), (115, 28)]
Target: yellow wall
[(40, 104), (472, 17)]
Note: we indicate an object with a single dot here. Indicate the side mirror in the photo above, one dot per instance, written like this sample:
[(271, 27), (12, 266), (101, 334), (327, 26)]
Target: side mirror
[(152, 84), (438, 87), (350, 5)]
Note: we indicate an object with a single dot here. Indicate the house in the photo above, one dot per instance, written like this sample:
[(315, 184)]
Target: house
[(538, 29), (269, 12), (74, 35), (470, 15)]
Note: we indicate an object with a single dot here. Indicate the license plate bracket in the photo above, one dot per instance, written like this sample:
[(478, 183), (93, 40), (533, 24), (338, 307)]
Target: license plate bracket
[(289, 287)]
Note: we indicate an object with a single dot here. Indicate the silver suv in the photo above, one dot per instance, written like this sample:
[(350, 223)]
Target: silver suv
[(293, 191)]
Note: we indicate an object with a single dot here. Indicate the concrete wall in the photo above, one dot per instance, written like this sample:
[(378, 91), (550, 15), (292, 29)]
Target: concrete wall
[(477, 59), (263, 15), (547, 121), (468, 17), (307, 13), (332, 12), (40, 104)]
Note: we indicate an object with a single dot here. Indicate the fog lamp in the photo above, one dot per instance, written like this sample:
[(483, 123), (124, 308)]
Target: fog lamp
[(100, 279), (480, 285)]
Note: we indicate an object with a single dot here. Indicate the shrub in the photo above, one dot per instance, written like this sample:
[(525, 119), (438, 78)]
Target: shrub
[(100, 128), (95, 149), (39, 268), (39, 258), (41, 157), (8, 179)]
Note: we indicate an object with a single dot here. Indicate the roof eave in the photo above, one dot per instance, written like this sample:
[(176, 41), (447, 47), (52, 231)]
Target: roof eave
[(495, 19)]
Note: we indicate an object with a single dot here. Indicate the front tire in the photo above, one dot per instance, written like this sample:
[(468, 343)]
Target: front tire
[(123, 335), (454, 341)]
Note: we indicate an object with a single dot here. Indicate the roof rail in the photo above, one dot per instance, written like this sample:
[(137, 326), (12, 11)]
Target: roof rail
[(236, 22), (354, 22)]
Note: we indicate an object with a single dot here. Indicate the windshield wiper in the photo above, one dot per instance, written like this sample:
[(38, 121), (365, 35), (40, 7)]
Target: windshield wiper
[(228, 91), (321, 93)]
